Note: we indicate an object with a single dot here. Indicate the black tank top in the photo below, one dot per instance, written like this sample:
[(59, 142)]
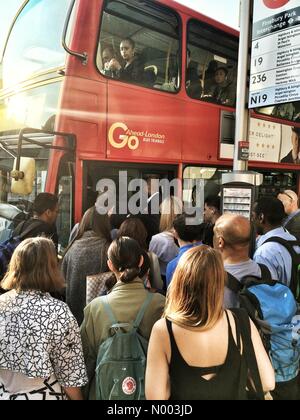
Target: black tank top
[(228, 382)]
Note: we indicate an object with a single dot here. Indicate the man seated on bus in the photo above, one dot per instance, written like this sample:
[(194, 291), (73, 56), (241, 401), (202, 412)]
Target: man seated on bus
[(133, 68), (222, 91)]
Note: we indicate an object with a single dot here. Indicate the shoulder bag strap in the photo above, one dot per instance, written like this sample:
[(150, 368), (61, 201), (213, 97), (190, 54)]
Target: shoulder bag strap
[(248, 350)]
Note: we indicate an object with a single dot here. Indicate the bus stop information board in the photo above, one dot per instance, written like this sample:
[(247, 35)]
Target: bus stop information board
[(275, 58)]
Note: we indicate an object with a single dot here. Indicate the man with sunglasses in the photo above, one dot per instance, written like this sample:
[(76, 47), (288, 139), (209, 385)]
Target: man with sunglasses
[(289, 200)]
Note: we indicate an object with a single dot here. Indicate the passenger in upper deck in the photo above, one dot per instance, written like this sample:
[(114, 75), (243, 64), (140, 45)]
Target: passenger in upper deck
[(222, 91), (108, 54), (133, 70), (193, 84)]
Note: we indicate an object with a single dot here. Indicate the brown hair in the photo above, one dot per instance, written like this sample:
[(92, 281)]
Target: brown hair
[(125, 254), (195, 296), (134, 228), (169, 209), (93, 221), (34, 266)]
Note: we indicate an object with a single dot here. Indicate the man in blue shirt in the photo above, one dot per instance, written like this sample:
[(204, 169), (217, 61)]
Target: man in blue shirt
[(187, 236), (268, 215)]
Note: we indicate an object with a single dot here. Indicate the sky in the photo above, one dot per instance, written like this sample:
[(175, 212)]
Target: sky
[(225, 11), (7, 11)]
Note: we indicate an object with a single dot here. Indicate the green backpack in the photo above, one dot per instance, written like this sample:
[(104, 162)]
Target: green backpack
[(121, 359)]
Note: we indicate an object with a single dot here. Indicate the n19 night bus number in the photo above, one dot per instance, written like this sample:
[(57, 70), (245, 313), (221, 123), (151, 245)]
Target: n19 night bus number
[(258, 99)]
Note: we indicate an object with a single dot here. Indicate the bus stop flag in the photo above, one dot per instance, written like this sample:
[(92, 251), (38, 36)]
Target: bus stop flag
[(275, 57)]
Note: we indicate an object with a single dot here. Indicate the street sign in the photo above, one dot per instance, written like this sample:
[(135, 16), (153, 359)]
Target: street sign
[(275, 57), (243, 150)]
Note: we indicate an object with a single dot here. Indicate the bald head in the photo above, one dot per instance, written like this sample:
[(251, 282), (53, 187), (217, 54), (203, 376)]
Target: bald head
[(234, 229), (289, 200)]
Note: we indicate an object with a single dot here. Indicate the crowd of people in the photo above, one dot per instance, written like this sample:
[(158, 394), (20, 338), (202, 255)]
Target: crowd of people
[(198, 343)]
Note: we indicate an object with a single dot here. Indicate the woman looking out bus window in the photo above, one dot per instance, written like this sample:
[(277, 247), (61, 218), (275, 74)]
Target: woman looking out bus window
[(133, 69)]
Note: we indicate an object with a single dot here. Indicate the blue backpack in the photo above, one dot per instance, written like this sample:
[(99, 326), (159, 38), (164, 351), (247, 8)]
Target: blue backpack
[(272, 307), (7, 247)]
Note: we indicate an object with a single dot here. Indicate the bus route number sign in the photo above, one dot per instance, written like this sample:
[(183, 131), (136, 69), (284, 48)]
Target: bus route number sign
[(275, 67)]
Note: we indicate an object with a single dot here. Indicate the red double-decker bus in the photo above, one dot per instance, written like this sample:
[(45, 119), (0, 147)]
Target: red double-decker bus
[(171, 113)]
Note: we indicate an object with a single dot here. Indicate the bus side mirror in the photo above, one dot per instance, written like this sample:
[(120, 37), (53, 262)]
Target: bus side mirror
[(22, 180)]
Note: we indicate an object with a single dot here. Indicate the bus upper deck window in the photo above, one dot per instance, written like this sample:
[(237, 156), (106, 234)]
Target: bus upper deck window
[(211, 64), (142, 42)]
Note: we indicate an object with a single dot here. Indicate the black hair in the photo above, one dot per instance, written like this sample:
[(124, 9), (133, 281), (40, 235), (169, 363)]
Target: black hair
[(222, 68), (271, 208), (130, 41), (213, 201), (110, 49), (44, 201), (212, 66), (125, 255), (186, 232)]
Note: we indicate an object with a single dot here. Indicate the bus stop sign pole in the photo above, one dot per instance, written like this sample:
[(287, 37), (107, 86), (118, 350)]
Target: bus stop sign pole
[(240, 162), (238, 190)]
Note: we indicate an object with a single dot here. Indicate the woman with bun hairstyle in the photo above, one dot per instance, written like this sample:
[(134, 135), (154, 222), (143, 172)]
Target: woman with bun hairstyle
[(125, 299)]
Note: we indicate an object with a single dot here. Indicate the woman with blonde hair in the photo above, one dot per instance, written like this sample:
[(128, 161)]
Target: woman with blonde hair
[(196, 350), (163, 244), (40, 347)]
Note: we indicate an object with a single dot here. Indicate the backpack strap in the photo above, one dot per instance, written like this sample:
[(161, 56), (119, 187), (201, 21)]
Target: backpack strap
[(33, 225), (236, 286), (288, 244), (265, 272), (248, 350), (233, 284), (108, 310), (142, 311)]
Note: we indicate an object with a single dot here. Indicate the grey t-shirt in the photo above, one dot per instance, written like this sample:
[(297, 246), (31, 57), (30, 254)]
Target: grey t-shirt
[(240, 270)]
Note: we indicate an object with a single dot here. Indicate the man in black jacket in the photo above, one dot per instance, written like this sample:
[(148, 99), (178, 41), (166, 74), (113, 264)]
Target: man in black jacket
[(45, 210)]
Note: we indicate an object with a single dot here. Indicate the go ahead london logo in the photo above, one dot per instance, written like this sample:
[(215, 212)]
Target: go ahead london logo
[(275, 4)]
